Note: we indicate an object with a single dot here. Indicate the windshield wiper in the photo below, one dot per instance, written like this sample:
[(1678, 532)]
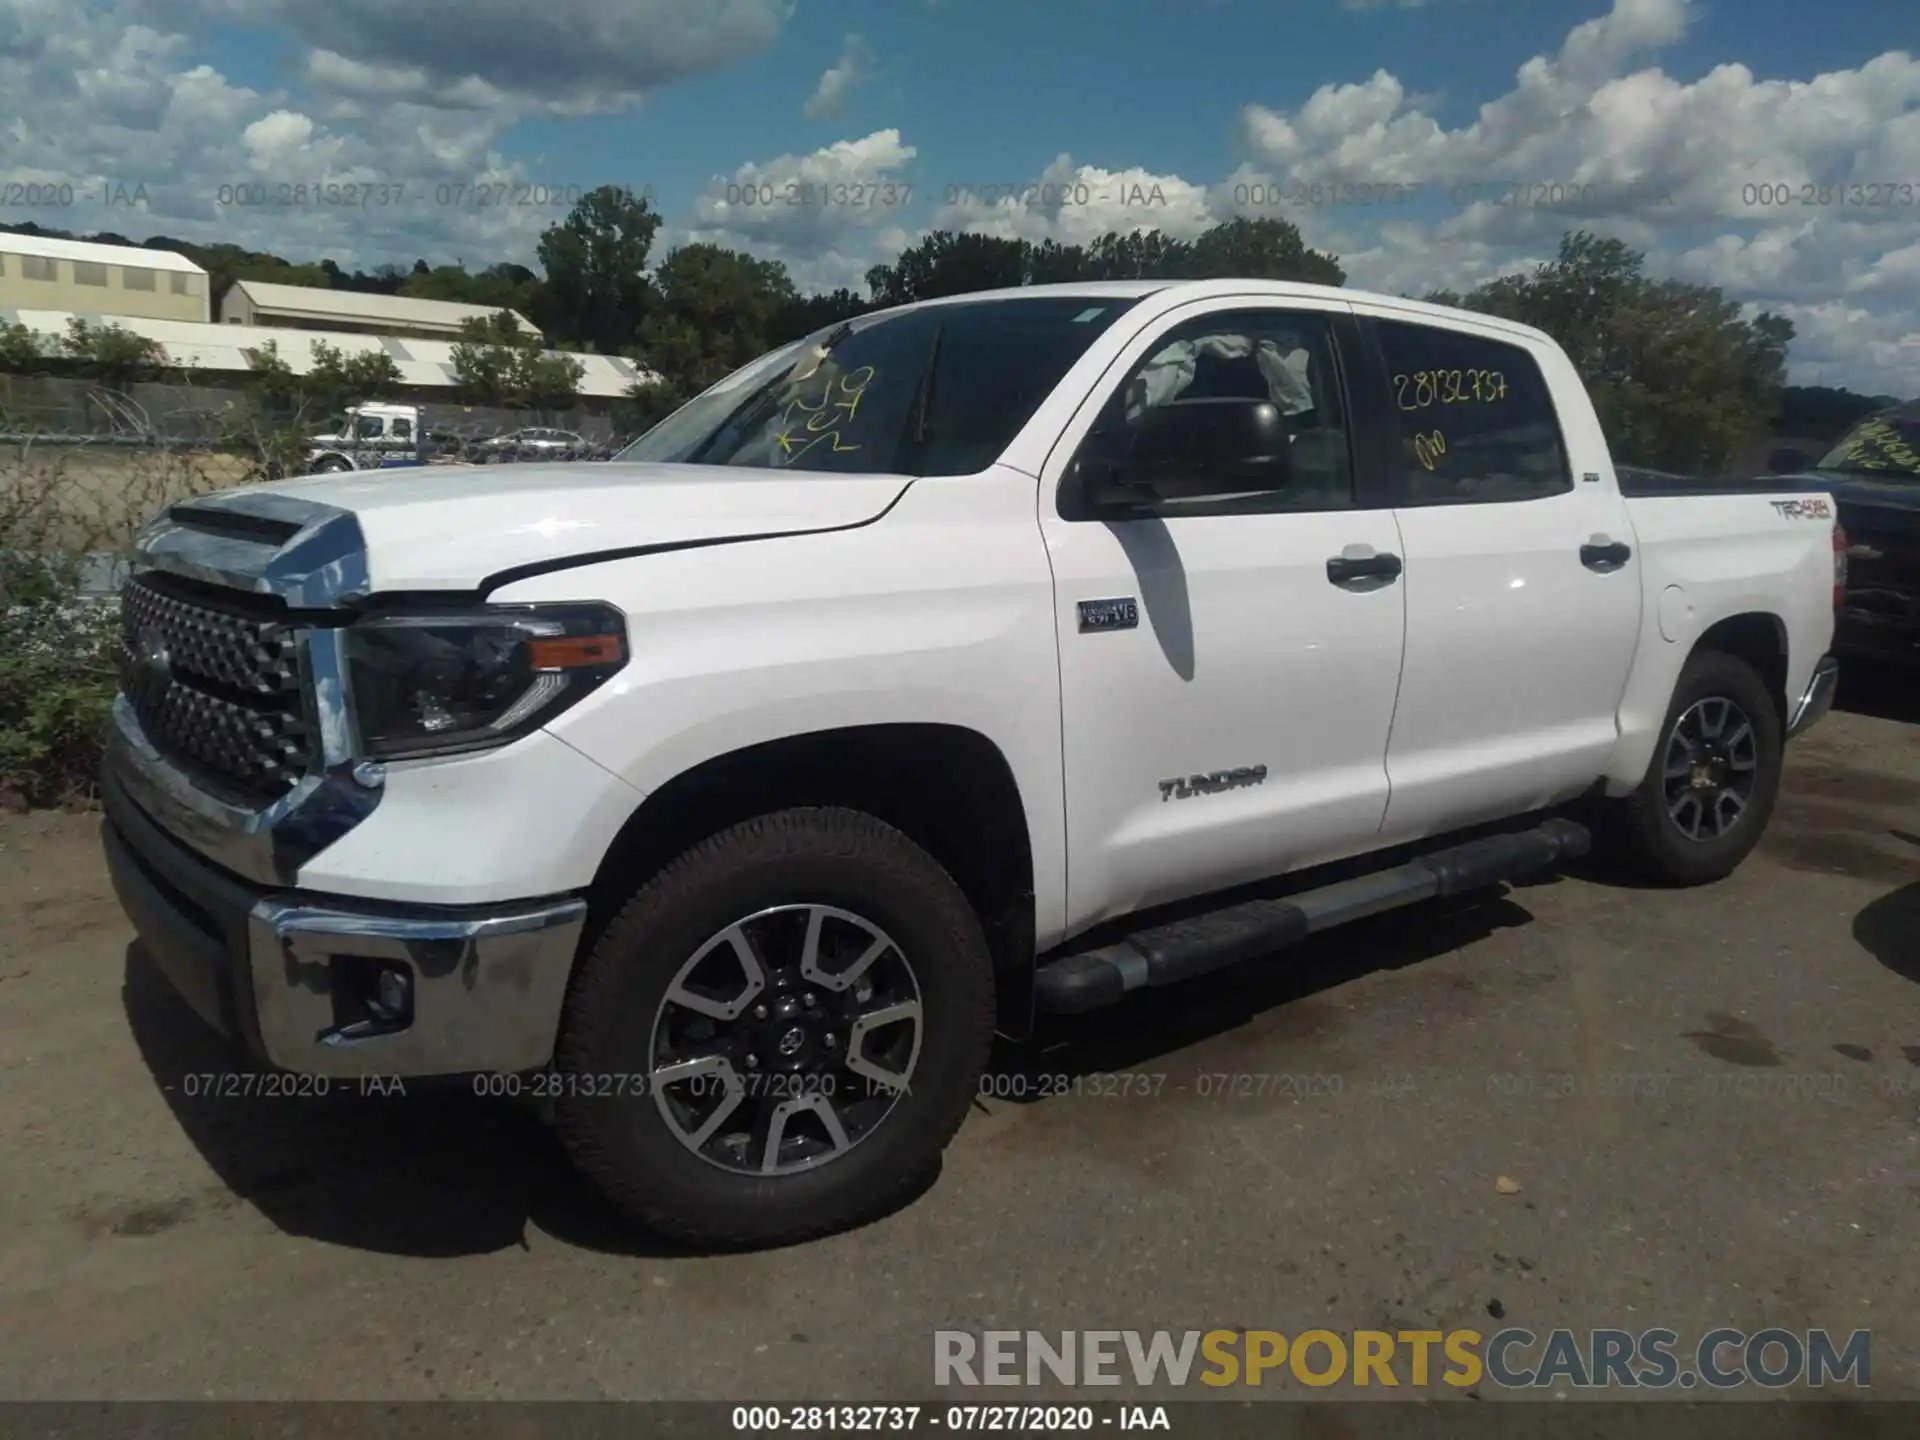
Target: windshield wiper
[(917, 432), (755, 408)]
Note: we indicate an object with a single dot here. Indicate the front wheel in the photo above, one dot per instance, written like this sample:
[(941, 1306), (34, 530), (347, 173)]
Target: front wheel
[(778, 1034), (1711, 786)]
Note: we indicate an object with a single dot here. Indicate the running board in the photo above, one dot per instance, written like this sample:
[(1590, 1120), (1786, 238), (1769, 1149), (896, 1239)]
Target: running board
[(1182, 949)]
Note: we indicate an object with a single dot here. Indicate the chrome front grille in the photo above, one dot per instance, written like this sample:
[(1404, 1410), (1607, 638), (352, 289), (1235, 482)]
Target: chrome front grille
[(215, 682)]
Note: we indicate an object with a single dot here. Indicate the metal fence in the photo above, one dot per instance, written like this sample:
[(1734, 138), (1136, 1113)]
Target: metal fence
[(57, 410)]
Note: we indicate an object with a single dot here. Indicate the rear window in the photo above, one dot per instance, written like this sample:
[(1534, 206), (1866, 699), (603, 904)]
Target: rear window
[(1477, 423)]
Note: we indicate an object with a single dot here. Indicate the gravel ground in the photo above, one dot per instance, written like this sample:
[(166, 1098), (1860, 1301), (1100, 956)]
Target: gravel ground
[(157, 1245)]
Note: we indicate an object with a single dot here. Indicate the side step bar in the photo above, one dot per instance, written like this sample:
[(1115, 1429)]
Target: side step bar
[(1182, 949)]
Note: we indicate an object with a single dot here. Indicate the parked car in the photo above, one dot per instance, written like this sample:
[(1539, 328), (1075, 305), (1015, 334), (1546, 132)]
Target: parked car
[(1873, 474), (1000, 654), (533, 444)]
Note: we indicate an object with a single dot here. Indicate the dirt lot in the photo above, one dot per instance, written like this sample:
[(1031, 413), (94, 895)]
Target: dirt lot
[(157, 1245)]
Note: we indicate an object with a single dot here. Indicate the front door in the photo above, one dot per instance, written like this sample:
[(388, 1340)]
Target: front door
[(1226, 693)]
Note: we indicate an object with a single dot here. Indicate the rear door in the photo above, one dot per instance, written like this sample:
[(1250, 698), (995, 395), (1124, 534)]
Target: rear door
[(1522, 588), (1226, 694)]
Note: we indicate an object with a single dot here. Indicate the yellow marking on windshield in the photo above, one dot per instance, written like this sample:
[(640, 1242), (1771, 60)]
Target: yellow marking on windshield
[(838, 404)]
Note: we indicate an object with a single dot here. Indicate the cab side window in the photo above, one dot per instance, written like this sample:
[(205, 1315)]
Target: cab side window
[(1287, 358), (1477, 423)]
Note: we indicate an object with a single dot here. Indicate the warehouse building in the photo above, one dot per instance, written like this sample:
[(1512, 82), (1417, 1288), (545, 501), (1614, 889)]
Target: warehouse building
[(219, 352), (350, 312), (40, 273)]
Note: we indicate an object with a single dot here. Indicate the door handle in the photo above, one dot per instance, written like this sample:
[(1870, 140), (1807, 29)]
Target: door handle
[(1343, 569), (1604, 554)]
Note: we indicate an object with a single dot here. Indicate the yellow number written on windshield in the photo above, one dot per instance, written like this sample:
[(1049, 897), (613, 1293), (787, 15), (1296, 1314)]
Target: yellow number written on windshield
[(804, 427)]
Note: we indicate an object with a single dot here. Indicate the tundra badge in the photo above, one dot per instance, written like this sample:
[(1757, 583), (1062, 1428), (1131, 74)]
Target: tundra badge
[(1188, 786)]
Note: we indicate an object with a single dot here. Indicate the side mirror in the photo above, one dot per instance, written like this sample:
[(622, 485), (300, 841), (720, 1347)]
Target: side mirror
[(1192, 449), (1788, 461)]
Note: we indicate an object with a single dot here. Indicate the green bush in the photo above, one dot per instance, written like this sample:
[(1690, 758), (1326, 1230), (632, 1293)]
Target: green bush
[(57, 681), (58, 670)]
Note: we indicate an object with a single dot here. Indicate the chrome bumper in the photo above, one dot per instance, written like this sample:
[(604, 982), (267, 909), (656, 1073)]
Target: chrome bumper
[(284, 972), (1818, 698)]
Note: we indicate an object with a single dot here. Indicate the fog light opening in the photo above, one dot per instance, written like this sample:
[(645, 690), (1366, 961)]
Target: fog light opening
[(392, 997), (370, 997)]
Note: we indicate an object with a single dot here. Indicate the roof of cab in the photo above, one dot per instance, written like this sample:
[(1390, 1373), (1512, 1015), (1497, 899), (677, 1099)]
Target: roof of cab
[(1207, 289)]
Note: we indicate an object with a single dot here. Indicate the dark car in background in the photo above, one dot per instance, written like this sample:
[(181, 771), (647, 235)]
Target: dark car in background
[(1873, 474)]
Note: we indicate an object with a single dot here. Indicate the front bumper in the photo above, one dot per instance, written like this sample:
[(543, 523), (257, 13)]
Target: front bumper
[(283, 971), (1817, 699)]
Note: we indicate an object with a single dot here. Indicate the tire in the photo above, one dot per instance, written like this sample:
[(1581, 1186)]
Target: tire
[(1655, 841), (643, 987), (332, 465)]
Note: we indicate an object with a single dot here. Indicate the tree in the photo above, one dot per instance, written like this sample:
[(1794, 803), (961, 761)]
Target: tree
[(110, 353), (334, 381), (1822, 412), (646, 404), (1681, 381), (1137, 255), (805, 314), (495, 362), (945, 263), (1263, 249), (504, 286), (20, 350), (596, 262), (714, 310)]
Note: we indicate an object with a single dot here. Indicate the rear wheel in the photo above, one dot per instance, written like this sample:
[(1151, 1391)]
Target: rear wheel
[(1715, 775), (778, 1034)]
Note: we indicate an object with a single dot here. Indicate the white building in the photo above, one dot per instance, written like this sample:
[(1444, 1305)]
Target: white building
[(220, 351), (307, 307), (100, 282)]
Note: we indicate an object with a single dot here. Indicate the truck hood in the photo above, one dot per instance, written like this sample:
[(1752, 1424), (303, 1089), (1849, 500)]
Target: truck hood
[(455, 527)]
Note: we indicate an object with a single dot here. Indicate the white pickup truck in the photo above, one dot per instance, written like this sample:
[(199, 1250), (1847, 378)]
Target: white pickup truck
[(1006, 653)]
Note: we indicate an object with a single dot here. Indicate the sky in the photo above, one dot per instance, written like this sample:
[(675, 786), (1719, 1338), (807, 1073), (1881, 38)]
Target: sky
[(1771, 149)]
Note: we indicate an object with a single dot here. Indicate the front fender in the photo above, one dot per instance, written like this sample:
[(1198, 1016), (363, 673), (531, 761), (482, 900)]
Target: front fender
[(941, 614)]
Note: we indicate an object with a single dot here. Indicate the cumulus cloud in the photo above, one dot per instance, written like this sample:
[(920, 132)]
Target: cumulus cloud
[(118, 113), (830, 95), (1786, 192), (557, 56), (818, 200), (1074, 203), (1779, 186)]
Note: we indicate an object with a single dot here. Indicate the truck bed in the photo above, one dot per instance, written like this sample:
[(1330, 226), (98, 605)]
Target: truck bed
[(1641, 484)]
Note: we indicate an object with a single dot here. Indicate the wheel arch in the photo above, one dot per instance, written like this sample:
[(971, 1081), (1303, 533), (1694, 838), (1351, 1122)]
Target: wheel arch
[(1759, 638), (947, 787)]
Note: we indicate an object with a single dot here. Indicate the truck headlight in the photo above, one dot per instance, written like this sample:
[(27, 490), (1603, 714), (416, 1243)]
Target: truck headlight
[(429, 684)]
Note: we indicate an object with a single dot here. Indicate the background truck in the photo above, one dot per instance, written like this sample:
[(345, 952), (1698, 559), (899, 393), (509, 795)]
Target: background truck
[(1873, 474), (1006, 653), (374, 436)]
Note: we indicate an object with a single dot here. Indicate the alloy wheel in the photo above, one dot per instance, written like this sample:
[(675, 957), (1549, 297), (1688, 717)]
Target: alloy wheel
[(1711, 767), (785, 1039)]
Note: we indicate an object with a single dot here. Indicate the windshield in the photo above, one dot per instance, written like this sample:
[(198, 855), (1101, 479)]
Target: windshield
[(1885, 446), (940, 390)]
